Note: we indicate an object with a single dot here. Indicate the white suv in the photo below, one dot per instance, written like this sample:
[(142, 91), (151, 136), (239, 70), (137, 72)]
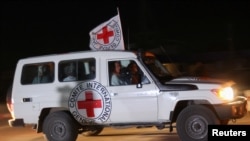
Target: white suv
[(65, 95)]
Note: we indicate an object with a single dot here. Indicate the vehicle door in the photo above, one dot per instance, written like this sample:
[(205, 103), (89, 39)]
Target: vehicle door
[(131, 101), (29, 92)]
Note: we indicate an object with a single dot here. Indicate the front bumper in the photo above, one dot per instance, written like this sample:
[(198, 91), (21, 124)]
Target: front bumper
[(232, 110)]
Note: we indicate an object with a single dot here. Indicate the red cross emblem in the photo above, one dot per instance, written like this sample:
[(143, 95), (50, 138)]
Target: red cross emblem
[(105, 35), (89, 104)]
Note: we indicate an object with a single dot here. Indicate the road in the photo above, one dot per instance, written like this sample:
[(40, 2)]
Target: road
[(129, 134), (28, 134)]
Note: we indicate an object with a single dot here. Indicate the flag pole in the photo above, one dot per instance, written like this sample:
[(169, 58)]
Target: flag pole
[(121, 26), (118, 11)]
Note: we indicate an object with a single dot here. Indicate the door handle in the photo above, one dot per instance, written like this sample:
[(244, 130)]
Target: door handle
[(114, 94), (28, 99)]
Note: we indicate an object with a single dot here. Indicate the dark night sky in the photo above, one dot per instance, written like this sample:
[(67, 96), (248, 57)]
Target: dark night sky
[(30, 28)]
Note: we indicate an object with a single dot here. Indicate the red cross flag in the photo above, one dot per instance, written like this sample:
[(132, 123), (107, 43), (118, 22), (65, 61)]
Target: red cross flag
[(107, 36)]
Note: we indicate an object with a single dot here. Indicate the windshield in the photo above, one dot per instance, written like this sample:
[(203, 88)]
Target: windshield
[(156, 67)]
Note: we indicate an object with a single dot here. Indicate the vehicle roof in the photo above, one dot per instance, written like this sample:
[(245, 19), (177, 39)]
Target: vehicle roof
[(80, 54)]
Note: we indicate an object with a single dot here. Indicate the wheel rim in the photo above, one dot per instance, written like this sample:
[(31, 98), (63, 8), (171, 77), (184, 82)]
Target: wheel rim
[(58, 130), (196, 127)]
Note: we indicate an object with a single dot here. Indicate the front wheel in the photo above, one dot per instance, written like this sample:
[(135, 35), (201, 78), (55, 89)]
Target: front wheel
[(192, 123), (59, 126)]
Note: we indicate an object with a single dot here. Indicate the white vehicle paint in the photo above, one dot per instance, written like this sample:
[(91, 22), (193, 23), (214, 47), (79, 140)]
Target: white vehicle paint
[(87, 104)]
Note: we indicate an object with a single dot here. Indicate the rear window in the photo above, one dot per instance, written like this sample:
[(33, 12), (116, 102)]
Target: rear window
[(38, 73)]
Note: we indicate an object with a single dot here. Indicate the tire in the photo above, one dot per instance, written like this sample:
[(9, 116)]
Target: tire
[(192, 123), (59, 126), (93, 130)]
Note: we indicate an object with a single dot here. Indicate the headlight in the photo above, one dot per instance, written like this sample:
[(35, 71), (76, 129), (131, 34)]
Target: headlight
[(226, 93)]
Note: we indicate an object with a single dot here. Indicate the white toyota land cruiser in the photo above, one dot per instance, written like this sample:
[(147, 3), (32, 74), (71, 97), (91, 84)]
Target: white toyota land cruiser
[(65, 95)]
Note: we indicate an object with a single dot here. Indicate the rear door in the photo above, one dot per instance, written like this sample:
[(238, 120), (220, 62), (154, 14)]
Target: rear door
[(32, 88)]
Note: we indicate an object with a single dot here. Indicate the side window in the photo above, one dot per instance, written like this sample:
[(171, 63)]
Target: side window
[(77, 70), (125, 72), (37, 73)]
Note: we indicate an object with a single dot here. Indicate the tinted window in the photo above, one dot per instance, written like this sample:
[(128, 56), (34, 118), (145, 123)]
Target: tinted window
[(77, 70), (38, 73), (125, 72)]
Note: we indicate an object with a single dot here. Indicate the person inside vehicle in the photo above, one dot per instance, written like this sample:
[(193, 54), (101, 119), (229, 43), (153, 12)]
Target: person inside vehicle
[(91, 74), (134, 73), (70, 73), (115, 74), (43, 75)]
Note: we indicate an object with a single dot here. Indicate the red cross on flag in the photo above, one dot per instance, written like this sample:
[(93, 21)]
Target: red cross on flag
[(107, 36)]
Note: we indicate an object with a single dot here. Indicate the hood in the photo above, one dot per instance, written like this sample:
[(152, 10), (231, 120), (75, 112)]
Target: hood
[(202, 80), (197, 80), (194, 83)]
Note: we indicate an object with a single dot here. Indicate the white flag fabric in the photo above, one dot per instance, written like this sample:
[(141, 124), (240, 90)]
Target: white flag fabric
[(107, 36)]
